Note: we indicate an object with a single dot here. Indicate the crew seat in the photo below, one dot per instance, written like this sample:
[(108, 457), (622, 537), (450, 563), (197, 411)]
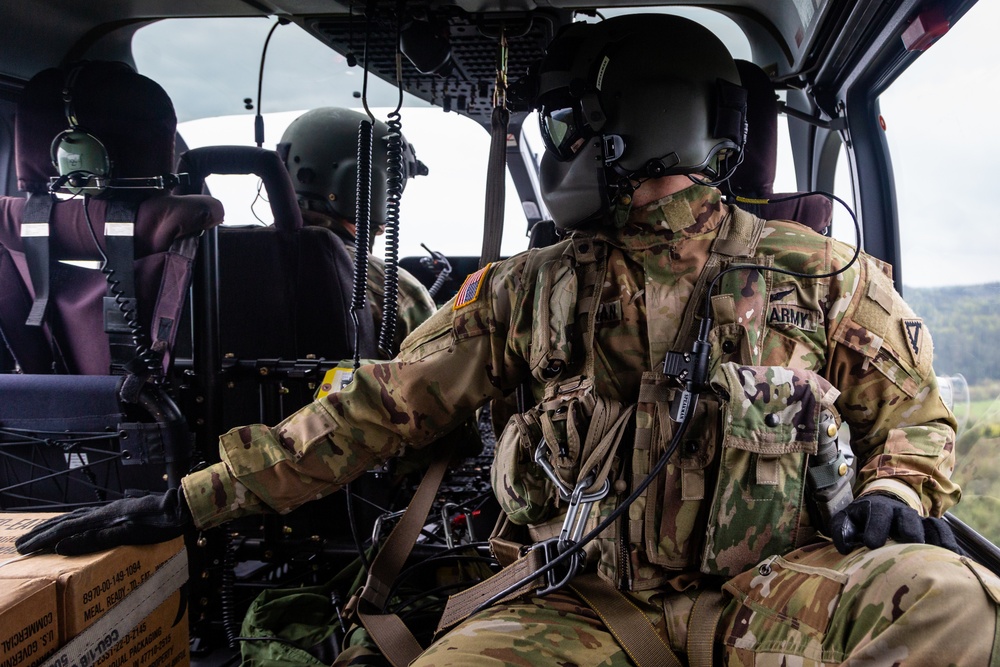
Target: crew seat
[(282, 295), (84, 420), (754, 178), (134, 118)]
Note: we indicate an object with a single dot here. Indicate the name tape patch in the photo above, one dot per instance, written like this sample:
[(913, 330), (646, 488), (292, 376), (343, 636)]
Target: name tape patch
[(791, 315), (609, 313), (469, 291)]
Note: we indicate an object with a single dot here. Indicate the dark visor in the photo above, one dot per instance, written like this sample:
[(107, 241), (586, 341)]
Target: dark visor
[(562, 130)]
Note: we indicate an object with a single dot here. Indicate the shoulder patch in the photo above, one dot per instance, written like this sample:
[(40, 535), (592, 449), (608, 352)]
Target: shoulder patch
[(468, 293), (914, 331)]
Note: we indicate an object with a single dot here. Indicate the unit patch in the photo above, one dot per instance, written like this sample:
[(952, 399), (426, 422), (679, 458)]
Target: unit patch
[(791, 315), (609, 313), (914, 330), (469, 292)]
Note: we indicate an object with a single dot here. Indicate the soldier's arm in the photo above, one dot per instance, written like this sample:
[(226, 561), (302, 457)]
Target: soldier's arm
[(880, 358), (449, 366)]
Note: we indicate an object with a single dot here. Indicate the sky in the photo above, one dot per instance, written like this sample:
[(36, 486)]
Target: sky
[(935, 126)]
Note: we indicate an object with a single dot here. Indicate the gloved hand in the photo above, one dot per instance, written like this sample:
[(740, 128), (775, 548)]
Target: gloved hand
[(147, 520), (871, 520)]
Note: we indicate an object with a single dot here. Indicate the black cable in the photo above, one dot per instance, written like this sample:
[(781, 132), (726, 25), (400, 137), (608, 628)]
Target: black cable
[(228, 593), (611, 518), (443, 275), (788, 272), (355, 535), (362, 222), (395, 180), (258, 121), (147, 361)]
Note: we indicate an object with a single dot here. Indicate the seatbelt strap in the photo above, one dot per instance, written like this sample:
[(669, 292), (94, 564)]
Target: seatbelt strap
[(119, 244), (90, 645), (30, 347), (170, 300), (496, 187), (496, 169), (393, 638), (625, 621), (35, 235), (705, 615)]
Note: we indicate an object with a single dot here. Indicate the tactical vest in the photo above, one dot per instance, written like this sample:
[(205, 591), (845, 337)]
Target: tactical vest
[(733, 494)]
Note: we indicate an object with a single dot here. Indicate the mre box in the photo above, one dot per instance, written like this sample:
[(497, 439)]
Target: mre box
[(29, 621), (88, 586)]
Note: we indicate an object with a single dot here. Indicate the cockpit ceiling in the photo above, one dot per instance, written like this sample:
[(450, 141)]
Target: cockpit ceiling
[(787, 36)]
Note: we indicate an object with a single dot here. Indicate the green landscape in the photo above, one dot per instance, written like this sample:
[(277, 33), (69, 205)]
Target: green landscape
[(964, 322)]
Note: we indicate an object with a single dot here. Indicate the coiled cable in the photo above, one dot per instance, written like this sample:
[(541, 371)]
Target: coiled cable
[(395, 181), (147, 362), (363, 224)]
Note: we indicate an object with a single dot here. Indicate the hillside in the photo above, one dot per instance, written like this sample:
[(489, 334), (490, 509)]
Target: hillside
[(965, 324)]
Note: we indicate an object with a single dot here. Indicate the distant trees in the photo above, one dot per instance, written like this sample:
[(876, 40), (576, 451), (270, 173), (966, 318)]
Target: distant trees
[(964, 322)]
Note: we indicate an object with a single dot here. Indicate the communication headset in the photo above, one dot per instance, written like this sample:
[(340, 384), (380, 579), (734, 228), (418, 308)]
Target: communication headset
[(81, 159)]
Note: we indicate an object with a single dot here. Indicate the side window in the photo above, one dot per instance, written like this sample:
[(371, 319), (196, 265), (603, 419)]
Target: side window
[(942, 159)]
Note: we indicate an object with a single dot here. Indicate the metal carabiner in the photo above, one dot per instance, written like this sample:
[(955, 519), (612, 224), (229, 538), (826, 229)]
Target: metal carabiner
[(565, 492)]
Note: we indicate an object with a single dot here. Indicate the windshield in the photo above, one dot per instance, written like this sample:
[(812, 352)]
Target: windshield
[(443, 210)]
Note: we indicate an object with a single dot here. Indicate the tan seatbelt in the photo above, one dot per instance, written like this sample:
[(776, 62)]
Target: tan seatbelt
[(705, 615), (625, 621), (392, 637)]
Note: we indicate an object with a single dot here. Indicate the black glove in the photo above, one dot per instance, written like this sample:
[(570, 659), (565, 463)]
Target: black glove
[(147, 520), (875, 518)]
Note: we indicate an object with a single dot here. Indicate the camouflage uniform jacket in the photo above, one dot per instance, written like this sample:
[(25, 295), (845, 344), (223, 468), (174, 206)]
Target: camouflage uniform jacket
[(851, 331)]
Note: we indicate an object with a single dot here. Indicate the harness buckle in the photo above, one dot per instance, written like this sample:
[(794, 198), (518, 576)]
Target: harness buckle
[(577, 513)]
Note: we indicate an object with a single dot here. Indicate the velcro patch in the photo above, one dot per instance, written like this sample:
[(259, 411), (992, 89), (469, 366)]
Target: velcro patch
[(914, 334), (791, 315), (469, 291)]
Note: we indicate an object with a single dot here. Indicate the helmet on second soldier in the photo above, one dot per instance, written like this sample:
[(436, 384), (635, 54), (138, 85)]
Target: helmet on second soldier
[(320, 150), (631, 98)]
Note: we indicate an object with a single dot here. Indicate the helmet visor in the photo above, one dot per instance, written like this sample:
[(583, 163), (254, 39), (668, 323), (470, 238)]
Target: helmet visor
[(563, 133)]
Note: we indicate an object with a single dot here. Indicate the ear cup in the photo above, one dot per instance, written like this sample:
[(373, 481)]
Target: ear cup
[(82, 160)]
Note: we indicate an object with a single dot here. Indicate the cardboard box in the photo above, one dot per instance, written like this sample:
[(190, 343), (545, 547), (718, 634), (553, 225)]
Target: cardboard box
[(88, 586), (29, 622)]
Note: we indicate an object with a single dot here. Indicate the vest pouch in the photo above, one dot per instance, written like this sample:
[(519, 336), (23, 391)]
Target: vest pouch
[(521, 486), (770, 421), (674, 509)]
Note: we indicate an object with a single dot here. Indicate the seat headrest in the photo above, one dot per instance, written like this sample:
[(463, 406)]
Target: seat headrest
[(755, 176), (129, 113)]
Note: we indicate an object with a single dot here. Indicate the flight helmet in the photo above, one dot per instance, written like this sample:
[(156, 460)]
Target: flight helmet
[(631, 98), (320, 150)]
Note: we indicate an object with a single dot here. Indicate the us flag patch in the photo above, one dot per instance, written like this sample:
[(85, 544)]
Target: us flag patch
[(469, 292)]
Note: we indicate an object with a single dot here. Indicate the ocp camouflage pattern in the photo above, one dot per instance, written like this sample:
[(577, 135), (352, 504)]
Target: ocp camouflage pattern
[(902, 433), (845, 333)]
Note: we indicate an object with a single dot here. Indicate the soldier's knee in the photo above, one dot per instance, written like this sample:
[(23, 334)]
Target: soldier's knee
[(909, 575)]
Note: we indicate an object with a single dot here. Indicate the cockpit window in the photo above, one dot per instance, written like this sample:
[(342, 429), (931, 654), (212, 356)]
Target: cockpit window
[(942, 160), (209, 67)]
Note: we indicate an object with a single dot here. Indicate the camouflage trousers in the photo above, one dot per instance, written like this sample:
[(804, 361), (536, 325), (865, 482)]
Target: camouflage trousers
[(908, 605)]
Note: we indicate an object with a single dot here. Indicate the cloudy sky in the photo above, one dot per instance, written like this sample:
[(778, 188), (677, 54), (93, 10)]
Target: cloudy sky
[(937, 125)]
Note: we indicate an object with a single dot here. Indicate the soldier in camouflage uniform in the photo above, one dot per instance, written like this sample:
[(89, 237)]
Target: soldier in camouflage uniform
[(586, 326), (320, 150)]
